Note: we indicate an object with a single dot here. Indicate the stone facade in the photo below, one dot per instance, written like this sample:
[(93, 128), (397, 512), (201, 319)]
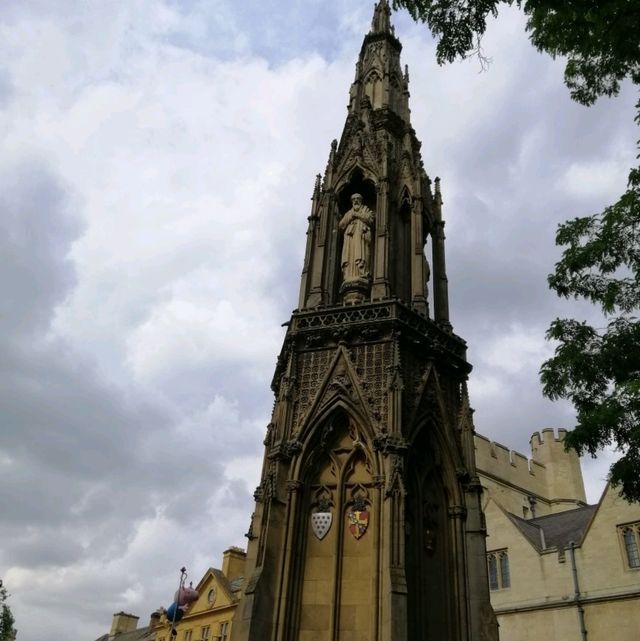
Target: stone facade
[(368, 523), (124, 627), (548, 482), (569, 572), (535, 509), (210, 618)]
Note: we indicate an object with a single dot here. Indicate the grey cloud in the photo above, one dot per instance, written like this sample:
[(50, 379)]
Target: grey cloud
[(43, 548), (489, 287), (67, 432), (270, 29), (6, 89), (504, 197), (36, 229), (519, 411), (91, 459)]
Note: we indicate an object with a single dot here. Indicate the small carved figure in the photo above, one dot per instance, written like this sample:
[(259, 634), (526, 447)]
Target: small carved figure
[(426, 275), (356, 250)]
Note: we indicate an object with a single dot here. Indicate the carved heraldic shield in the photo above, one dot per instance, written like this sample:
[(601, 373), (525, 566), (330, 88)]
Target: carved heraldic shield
[(321, 523), (358, 522)]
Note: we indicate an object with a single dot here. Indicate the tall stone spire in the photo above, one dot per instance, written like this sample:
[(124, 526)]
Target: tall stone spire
[(381, 22), (367, 523), (378, 157)]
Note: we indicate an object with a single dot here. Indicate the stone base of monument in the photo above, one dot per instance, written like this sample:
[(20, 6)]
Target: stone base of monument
[(354, 292)]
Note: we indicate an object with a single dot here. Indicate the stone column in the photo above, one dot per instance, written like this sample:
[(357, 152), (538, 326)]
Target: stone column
[(380, 288), (440, 282), (418, 272), (457, 517)]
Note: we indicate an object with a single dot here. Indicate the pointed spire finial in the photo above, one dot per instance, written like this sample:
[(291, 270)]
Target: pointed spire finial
[(381, 22), (317, 186)]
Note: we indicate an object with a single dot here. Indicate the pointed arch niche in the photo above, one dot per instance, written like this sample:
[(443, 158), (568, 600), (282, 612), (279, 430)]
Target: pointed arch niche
[(401, 248), (339, 570), (357, 183), (429, 542), (373, 88)]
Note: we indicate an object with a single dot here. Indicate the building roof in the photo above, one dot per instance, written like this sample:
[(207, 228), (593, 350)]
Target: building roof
[(555, 530), (231, 587), (141, 634), (236, 584)]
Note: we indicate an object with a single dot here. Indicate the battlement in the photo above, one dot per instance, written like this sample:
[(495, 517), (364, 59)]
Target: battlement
[(550, 473), (548, 437), (496, 460)]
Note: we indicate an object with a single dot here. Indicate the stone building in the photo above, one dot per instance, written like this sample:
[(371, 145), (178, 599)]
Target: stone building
[(124, 627), (539, 528), (558, 568), (210, 617), (368, 524)]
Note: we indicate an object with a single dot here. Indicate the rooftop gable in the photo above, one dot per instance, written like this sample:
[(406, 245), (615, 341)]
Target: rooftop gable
[(556, 530)]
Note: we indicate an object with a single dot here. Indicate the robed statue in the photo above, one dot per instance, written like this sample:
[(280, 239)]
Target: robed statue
[(356, 248)]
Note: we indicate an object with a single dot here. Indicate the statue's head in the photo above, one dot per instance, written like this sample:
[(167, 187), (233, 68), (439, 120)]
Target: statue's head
[(356, 201)]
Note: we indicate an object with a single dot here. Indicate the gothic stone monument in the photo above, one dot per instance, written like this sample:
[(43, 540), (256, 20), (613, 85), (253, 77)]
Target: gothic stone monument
[(367, 525)]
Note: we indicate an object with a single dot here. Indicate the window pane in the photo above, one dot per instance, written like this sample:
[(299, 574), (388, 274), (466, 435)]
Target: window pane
[(631, 545), (493, 571), (505, 579)]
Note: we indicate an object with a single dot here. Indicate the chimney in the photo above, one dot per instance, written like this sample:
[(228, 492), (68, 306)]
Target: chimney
[(233, 560), (154, 619), (123, 622)]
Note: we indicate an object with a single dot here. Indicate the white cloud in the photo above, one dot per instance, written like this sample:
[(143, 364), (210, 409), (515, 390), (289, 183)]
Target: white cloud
[(597, 178), (150, 327), (516, 349)]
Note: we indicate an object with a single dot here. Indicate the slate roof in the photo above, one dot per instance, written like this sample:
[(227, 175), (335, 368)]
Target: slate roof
[(231, 587), (141, 634), (236, 584), (555, 530)]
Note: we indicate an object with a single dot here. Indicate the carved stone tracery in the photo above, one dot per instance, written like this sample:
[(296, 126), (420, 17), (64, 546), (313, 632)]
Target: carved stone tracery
[(370, 430)]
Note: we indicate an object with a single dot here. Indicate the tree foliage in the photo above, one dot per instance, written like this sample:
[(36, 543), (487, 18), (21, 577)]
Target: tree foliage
[(7, 629), (598, 369), (599, 38)]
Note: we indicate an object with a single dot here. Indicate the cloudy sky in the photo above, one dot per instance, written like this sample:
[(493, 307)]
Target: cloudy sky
[(156, 164)]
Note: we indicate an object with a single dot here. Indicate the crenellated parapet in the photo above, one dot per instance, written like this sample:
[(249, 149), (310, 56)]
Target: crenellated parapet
[(549, 479)]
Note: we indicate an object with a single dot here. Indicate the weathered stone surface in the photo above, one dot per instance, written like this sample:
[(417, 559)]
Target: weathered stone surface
[(371, 420)]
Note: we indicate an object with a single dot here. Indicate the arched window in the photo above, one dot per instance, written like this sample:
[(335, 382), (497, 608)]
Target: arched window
[(498, 568), (630, 537), (493, 571), (505, 579)]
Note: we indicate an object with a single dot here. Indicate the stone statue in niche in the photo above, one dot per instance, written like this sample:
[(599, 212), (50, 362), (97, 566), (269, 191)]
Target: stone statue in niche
[(356, 249), (426, 275)]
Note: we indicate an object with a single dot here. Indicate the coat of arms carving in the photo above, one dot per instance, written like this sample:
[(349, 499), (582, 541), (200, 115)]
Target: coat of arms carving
[(358, 518), (321, 519), (321, 524)]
